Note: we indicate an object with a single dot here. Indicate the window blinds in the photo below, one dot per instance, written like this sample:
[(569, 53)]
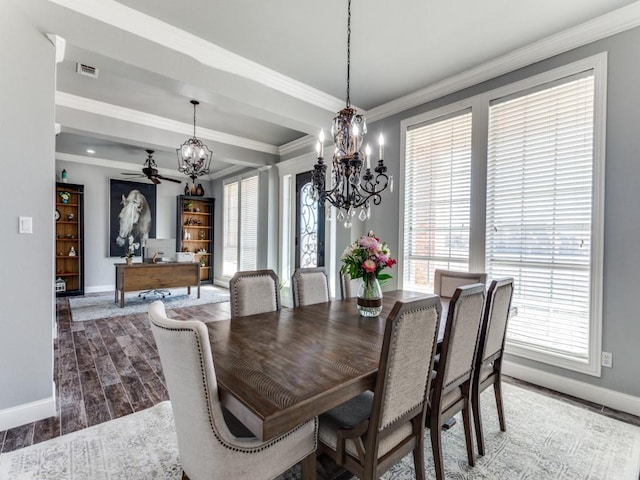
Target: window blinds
[(539, 211), (230, 229), (249, 224), (437, 183)]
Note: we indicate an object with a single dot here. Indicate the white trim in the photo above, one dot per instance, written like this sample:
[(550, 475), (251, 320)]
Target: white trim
[(297, 144), (614, 22), (105, 162), (100, 288), (161, 33), (593, 393), (60, 45), (28, 412), (89, 105)]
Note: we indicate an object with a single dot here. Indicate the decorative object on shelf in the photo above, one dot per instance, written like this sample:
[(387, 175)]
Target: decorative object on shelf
[(199, 190), (202, 235), (350, 188), (61, 285), (131, 250), (186, 188), (194, 157), (365, 258), (64, 197), (69, 217), (63, 176), (72, 252), (187, 205), (187, 235), (56, 215), (203, 262)]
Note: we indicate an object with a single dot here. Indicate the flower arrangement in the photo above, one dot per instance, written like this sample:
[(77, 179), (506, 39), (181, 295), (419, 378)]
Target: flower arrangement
[(367, 256), (131, 250)]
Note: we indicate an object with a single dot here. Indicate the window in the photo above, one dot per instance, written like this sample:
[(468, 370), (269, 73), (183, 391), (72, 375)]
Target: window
[(437, 198), (240, 226), (539, 195), (535, 187)]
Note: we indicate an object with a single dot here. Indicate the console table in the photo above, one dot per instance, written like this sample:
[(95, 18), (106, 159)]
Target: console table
[(155, 276)]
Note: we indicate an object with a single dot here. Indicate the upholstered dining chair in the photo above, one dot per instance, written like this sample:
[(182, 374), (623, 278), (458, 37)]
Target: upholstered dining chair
[(348, 286), (212, 444), (309, 286), (451, 390), (370, 433), (445, 282), (488, 368), (253, 292)]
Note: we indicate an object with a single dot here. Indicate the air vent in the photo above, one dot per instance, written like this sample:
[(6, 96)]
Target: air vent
[(86, 70)]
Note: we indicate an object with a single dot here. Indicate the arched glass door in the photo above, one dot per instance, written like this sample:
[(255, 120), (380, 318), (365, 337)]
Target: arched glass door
[(309, 225)]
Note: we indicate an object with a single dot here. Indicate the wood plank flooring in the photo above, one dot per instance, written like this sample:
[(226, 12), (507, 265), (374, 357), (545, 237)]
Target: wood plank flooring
[(108, 368)]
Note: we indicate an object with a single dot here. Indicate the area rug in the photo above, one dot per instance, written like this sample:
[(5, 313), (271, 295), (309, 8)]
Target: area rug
[(545, 439), (102, 305)]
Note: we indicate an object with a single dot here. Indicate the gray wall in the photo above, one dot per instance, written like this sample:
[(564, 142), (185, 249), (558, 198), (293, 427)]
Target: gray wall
[(621, 330), (99, 269), (27, 145)]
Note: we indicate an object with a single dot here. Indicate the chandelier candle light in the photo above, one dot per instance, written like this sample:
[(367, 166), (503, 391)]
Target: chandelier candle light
[(351, 186), (194, 157)]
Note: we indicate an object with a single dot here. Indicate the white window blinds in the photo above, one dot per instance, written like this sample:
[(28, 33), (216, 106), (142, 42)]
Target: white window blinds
[(539, 211), (249, 224), (230, 229), (240, 226), (437, 182)]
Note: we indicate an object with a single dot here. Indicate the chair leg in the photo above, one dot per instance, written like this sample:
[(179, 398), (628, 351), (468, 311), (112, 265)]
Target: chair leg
[(466, 420), (497, 390), (436, 446), (418, 456), (477, 420), (308, 466)]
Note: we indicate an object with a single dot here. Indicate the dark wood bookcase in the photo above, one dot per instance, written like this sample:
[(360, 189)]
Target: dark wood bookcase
[(69, 240), (194, 231)]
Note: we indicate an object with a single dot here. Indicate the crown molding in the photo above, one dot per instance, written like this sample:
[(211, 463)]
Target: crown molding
[(162, 33), (89, 105), (614, 22), (226, 172), (297, 144)]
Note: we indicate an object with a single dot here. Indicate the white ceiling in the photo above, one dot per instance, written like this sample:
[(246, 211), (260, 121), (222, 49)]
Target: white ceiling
[(268, 73)]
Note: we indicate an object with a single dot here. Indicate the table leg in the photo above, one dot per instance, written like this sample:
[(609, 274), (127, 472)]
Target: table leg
[(189, 290), (122, 298), (198, 290)]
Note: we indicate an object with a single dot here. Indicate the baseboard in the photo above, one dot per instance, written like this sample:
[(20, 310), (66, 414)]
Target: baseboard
[(27, 413), (592, 393), (100, 289)]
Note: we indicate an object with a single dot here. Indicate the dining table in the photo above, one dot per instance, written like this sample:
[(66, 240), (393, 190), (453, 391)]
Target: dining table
[(279, 369)]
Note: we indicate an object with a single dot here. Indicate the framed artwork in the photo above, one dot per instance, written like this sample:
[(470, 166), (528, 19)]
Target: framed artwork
[(132, 212)]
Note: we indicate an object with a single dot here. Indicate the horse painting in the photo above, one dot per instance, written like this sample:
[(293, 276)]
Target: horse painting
[(135, 218), (132, 212)]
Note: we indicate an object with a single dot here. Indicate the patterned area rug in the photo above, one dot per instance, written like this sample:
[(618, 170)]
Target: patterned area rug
[(102, 305), (545, 439)]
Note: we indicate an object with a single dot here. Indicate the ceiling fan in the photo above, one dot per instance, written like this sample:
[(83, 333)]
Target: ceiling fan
[(150, 171)]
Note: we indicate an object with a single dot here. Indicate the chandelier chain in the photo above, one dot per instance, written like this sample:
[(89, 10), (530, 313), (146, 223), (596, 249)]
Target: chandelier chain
[(349, 54), (194, 120)]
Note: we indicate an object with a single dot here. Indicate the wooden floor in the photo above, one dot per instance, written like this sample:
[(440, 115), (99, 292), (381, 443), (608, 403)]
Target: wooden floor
[(108, 368)]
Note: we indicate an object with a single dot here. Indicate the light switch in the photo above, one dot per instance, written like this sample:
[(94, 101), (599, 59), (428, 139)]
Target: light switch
[(25, 225)]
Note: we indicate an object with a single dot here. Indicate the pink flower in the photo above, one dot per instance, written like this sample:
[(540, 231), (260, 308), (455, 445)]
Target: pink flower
[(369, 265), (369, 242), (383, 259)]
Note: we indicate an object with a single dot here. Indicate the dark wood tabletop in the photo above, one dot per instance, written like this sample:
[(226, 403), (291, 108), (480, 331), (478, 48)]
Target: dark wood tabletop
[(277, 370)]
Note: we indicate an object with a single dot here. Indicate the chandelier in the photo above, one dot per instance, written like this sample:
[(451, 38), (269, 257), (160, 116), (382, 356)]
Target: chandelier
[(194, 157), (351, 187)]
